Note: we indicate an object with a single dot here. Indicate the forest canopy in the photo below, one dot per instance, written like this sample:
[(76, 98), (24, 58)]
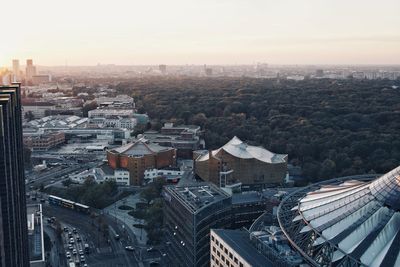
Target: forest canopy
[(328, 127)]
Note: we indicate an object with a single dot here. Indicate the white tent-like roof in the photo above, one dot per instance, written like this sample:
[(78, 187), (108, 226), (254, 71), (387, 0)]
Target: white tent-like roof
[(239, 149)]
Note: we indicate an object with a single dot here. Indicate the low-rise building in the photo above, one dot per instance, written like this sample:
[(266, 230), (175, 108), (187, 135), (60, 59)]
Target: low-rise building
[(172, 175), (37, 109), (184, 138), (139, 156), (45, 141), (104, 173)]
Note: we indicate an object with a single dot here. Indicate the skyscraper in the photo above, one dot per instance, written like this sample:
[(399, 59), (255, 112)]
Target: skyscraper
[(30, 69), (13, 221), (15, 65)]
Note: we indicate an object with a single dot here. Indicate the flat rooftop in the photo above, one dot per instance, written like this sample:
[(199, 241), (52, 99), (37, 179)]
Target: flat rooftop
[(35, 233), (239, 241), (197, 196)]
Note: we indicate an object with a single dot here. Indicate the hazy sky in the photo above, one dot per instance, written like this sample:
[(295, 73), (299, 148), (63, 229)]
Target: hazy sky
[(87, 32)]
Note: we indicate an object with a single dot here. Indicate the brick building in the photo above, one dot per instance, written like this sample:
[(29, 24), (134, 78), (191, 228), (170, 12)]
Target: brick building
[(237, 162), (139, 156)]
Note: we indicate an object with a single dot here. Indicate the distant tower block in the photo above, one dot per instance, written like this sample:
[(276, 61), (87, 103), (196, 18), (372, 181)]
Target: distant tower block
[(15, 66), (30, 69), (163, 68)]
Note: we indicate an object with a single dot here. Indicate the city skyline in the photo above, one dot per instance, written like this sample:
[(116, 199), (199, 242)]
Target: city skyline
[(188, 32)]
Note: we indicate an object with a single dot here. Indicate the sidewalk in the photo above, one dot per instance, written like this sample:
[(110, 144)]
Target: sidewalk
[(122, 215)]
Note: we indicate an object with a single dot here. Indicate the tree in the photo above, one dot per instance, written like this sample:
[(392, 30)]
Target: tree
[(67, 182), (29, 116), (88, 107)]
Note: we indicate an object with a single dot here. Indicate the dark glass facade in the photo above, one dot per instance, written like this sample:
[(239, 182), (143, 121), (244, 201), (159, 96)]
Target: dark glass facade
[(13, 221)]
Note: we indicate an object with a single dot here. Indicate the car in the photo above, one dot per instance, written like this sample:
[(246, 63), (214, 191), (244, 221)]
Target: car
[(65, 229), (68, 255), (71, 241), (70, 247), (74, 230), (33, 198), (82, 258), (42, 200), (52, 181), (81, 252), (69, 234), (85, 265), (130, 248), (74, 251), (116, 237), (78, 238), (49, 220), (150, 249)]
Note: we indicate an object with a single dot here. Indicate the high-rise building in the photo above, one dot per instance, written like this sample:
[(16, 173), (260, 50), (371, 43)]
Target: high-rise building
[(13, 220), (163, 68), (15, 65), (30, 69)]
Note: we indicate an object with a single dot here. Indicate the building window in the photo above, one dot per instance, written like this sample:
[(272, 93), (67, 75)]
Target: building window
[(218, 254), (230, 255), (235, 260), (214, 249), (240, 264)]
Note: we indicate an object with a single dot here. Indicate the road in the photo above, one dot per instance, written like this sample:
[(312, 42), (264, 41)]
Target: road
[(105, 251)]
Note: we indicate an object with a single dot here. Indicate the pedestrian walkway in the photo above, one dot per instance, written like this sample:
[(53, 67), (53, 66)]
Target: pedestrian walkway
[(122, 215)]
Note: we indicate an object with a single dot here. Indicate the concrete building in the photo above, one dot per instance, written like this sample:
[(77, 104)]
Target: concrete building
[(38, 109), (13, 222), (44, 142), (30, 70), (184, 138), (163, 69), (104, 173), (139, 156), (172, 175), (236, 162), (36, 236), (117, 102), (16, 70), (41, 79), (233, 248)]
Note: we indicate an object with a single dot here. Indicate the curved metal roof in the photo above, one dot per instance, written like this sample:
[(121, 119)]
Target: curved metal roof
[(356, 221), (239, 149)]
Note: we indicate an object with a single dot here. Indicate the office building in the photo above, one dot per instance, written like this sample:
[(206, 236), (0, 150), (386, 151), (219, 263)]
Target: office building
[(191, 211), (30, 70), (139, 156), (233, 248), (189, 214), (236, 162), (13, 221), (349, 221), (163, 69), (16, 70)]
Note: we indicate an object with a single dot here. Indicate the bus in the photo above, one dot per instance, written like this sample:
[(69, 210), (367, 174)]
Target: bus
[(58, 201)]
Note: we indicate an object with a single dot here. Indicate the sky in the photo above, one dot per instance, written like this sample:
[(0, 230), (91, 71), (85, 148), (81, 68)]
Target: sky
[(132, 32)]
